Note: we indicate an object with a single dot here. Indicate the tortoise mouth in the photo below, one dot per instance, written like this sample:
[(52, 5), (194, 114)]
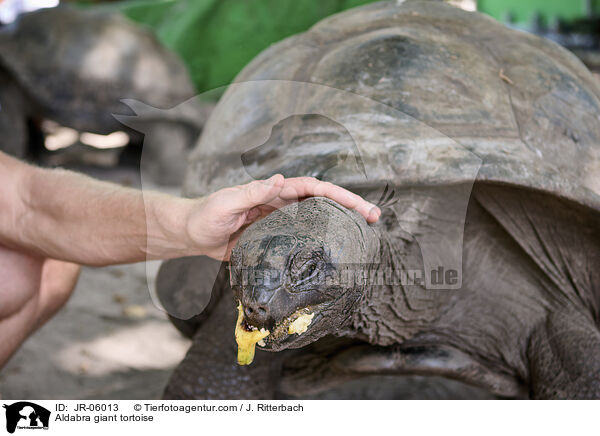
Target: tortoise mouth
[(286, 330)]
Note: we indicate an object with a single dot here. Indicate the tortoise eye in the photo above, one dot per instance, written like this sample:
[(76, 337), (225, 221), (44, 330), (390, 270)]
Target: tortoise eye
[(305, 265), (307, 271)]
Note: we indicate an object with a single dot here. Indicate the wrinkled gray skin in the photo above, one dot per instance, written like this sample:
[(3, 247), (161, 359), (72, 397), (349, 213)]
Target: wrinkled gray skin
[(74, 66), (524, 322)]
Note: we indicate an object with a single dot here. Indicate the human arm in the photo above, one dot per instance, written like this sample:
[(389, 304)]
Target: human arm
[(68, 216)]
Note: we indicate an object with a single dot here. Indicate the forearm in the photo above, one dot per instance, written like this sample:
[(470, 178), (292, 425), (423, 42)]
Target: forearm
[(68, 216)]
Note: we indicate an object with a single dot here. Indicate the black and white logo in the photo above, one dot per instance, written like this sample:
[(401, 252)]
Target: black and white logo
[(26, 415)]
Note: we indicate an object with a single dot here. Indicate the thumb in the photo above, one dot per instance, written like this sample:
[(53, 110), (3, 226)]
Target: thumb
[(257, 193)]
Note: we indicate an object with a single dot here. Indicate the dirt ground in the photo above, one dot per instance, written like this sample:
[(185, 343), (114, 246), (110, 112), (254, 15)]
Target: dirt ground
[(110, 341)]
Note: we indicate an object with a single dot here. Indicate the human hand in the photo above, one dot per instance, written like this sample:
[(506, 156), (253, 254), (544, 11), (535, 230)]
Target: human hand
[(217, 222)]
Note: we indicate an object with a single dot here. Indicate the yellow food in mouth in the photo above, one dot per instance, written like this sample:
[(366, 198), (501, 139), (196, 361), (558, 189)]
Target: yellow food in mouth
[(247, 340), (300, 324)]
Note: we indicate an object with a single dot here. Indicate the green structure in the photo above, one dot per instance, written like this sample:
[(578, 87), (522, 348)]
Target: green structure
[(217, 38), (523, 12)]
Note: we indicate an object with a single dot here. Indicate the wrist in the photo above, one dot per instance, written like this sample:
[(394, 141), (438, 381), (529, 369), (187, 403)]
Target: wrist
[(16, 198), (168, 223)]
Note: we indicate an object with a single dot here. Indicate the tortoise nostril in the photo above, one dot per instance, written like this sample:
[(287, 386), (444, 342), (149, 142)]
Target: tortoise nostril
[(256, 315), (259, 310)]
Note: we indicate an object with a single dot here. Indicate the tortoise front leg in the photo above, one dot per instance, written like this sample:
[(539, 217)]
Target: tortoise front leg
[(564, 357), (427, 360), (210, 369)]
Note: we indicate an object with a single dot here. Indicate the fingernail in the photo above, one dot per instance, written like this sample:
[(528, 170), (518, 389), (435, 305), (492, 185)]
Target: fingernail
[(374, 213)]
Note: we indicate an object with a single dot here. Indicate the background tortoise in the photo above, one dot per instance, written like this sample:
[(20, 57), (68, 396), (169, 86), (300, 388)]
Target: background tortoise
[(488, 139), (74, 66)]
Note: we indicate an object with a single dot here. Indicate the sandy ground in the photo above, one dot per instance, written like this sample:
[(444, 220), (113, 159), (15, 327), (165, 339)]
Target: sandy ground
[(109, 342)]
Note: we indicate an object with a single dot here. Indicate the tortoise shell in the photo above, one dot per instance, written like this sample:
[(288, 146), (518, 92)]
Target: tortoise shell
[(76, 65), (408, 93)]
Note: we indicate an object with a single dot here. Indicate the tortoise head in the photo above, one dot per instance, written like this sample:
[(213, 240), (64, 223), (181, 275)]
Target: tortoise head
[(294, 271)]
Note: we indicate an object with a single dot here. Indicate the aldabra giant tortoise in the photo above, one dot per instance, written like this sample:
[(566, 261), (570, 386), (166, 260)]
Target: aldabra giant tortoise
[(74, 66), (481, 143)]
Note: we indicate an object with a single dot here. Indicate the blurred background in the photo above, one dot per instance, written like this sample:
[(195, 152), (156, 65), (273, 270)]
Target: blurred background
[(201, 32), (65, 68)]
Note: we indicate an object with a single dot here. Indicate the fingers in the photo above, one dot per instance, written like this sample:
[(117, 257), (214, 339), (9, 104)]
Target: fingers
[(301, 187), (278, 191), (257, 193), (231, 210)]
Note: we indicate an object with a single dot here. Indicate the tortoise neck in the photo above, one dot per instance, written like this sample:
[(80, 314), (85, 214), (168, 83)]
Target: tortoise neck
[(393, 306)]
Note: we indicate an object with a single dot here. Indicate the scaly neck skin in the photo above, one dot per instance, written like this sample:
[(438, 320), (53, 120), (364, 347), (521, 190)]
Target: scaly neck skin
[(391, 312), (394, 314)]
